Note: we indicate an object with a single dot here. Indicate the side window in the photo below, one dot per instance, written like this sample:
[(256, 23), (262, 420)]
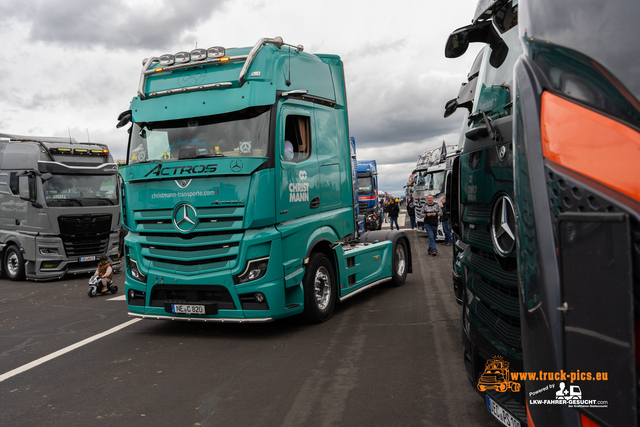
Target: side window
[(297, 138), (32, 187), (13, 183)]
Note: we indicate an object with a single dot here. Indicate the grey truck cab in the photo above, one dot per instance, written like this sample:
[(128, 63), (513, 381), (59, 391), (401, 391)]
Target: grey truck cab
[(59, 207)]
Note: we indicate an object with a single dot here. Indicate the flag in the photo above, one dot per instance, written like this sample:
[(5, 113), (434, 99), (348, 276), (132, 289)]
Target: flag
[(443, 152)]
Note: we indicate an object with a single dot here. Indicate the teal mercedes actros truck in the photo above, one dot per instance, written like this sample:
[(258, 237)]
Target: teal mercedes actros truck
[(238, 193)]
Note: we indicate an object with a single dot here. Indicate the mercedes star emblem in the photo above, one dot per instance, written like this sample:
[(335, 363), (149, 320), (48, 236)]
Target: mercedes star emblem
[(185, 218), (236, 165), (503, 226)]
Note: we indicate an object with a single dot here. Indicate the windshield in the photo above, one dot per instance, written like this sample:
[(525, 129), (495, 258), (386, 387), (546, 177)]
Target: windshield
[(242, 133), (365, 185), (434, 181), (81, 190), (495, 94)]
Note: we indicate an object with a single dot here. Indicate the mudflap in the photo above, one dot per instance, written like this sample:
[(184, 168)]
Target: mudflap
[(393, 235)]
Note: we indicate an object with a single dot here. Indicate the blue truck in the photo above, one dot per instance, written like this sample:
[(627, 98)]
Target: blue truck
[(370, 209)]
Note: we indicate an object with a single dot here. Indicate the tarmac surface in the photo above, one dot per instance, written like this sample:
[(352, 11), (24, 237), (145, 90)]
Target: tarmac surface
[(388, 357)]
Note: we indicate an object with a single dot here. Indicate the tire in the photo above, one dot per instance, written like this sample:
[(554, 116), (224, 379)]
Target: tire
[(400, 263), (114, 289), (13, 263), (91, 292), (319, 289)]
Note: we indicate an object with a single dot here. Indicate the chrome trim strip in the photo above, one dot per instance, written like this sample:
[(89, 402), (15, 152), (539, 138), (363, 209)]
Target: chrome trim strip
[(87, 168), (364, 288), (191, 89), (295, 273), (202, 319)]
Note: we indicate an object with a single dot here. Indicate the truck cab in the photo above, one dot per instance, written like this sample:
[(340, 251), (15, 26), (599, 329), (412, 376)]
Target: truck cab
[(60, 207), (368, 194)]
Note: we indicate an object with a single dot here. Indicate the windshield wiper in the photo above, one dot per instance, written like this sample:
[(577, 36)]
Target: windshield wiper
[(201, 156), (148, 161)]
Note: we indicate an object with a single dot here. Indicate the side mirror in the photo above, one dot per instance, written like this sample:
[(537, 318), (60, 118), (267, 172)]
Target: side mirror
[(23, 186), (123, 119), (450, 107), (480, 32)]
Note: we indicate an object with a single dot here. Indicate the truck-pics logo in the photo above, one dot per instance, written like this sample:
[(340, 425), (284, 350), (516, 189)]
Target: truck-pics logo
[(496, 376), (180, 170)]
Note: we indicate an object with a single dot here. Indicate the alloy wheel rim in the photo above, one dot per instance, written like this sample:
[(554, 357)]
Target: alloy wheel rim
[(322, 288)]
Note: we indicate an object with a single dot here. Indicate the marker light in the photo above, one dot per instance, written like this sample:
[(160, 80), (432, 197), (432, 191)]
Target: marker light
[(225, 59), (215, 52), (167, 59), (182, 57), (198, 54)]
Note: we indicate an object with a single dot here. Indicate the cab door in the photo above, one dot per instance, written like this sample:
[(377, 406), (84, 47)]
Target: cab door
[(297, 189)]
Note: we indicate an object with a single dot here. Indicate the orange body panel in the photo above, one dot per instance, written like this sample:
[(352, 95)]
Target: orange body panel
[(591, 144)]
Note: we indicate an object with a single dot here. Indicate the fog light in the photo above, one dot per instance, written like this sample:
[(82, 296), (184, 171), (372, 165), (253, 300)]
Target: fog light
[(50, 264), (132, 294), (259, 297)]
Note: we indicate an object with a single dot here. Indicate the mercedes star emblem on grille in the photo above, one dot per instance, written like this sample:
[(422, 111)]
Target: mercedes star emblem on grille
[(503, 226), (185, 218)]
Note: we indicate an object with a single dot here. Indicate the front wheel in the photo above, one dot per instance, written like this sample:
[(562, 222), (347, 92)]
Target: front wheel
[(91, 292), (400, 261), (319, 289), (14, 263)]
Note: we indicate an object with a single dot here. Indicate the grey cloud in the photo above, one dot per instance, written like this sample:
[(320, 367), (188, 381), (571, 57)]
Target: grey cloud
[(112, 24)]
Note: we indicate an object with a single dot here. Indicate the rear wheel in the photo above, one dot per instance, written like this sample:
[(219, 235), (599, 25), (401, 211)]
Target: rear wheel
[(114, 289), (14, 263), (400, 262), (319, 289)]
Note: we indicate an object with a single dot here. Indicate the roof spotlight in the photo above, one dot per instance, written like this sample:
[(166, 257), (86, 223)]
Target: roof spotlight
[(167, 59), (198, 54), (215, 52), (182, 57)]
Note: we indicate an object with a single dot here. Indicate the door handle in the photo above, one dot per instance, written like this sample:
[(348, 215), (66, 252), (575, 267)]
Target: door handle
[(315, 203)]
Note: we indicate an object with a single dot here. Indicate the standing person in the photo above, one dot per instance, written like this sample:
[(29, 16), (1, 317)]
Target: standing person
[(385, 210), (394, 211), (411, 211), (431, 211), (446, 224)]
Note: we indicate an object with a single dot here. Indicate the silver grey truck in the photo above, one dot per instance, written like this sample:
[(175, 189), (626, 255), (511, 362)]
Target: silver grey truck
[(59, 207)]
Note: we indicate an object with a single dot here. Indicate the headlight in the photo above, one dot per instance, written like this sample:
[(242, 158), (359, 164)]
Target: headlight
[(135, 272), (256, 268), (49, 251)]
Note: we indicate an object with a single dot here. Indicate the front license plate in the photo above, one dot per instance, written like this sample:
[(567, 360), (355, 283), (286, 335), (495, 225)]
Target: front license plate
[(87, 258), (501, 414), (187, 309)]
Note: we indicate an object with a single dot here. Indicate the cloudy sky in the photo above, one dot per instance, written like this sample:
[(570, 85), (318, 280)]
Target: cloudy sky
[(71, 66)]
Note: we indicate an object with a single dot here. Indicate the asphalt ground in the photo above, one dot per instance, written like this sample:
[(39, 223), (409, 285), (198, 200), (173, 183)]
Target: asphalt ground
[(388, 357)]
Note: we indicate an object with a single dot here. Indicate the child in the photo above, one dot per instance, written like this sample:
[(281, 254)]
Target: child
[(104, 271)]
